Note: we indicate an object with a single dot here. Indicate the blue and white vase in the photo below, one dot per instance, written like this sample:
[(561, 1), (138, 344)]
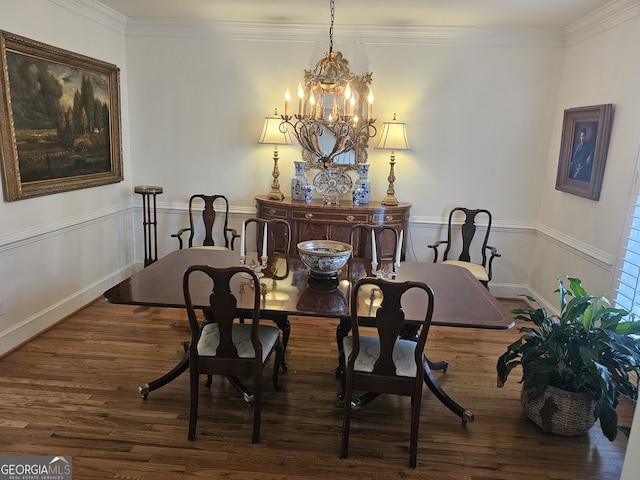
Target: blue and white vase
[(299, 182), (357, 194), (309, 192), (363, 183)]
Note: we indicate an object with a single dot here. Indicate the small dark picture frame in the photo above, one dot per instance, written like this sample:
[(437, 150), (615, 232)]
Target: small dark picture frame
[(59, 119), (583, 150)]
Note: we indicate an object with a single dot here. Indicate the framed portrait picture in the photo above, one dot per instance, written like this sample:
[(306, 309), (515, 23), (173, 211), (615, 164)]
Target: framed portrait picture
[(583, 150), (59, 119)]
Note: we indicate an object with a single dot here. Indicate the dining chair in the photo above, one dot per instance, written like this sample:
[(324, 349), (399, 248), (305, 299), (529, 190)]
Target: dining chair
[(225, 347), (386, 250), (214, 229), (386, 241), (385, 363), (278, 236), (278, 242), (461, 237)]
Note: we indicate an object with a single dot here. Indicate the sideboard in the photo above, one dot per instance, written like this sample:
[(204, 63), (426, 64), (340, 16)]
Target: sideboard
[(315, 220)]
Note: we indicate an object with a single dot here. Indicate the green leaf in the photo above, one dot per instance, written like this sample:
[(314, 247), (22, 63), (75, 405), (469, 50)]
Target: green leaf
[(608, 420), (576, 287)]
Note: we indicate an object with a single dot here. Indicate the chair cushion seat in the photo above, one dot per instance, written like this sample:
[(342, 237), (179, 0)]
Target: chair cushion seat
[(212, 247), (403, 355), (241, 334), (476, 269)]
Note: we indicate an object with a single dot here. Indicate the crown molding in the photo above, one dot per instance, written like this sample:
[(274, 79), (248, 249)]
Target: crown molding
[(604, 18), (306, 33), (368, 34), (97, 12)]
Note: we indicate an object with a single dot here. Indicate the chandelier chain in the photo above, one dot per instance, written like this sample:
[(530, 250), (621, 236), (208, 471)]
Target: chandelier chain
[(333, 7)]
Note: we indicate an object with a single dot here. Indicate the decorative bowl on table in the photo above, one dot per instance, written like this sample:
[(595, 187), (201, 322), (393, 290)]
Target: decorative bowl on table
[(324, 257)]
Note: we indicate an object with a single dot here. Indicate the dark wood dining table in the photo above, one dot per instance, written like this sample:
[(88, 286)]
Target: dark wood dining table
[(287, 289)]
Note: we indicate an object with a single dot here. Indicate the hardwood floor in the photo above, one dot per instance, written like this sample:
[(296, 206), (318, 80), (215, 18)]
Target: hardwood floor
[(73, 391)]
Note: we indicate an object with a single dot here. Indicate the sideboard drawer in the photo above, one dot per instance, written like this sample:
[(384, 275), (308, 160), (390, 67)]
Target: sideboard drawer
[(392, 216), (269, 212), (326, 216)]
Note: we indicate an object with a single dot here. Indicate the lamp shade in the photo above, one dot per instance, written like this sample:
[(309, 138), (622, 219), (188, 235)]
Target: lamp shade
[(272, 134), (394, 136)]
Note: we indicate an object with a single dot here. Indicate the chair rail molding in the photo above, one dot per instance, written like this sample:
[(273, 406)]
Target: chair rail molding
[(183, 208), (577, 247), (26, 236), (497, 226)]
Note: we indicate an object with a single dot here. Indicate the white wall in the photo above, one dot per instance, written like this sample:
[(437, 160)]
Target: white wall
[(59, 252)]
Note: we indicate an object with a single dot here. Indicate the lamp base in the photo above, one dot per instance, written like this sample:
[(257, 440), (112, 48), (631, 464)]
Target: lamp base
[(391, 199), (275, 195)]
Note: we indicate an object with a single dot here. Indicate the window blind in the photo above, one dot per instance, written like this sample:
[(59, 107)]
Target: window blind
[(628, 290)]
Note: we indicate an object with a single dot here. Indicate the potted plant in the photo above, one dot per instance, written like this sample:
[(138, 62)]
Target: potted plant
[(587, 355)]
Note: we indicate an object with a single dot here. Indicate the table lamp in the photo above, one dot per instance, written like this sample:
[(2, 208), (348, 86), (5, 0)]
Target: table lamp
[(393, 137), (271, 133)]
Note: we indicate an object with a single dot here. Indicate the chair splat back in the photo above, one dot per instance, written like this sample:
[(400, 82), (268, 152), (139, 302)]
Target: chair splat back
[(223, 311), (389, 323), (208, 218)]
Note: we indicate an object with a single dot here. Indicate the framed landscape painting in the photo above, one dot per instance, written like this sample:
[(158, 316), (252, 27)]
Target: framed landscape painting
[(59, 119), (583, 150)]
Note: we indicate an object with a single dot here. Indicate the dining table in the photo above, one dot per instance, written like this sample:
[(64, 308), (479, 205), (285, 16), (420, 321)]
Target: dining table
[(288, 289)]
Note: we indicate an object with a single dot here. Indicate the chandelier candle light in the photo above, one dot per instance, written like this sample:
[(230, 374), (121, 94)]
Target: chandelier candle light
[(334, 100), (393, 137), (275, 134)]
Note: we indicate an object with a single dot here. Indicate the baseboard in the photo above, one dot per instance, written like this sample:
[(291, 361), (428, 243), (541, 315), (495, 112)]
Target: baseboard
[(24, 331)]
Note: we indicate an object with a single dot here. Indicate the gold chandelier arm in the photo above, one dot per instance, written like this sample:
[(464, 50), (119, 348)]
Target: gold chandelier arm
[(346, 135)]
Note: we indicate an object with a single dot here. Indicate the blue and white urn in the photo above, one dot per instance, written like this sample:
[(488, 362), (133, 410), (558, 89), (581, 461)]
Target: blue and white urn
[(299, 183)]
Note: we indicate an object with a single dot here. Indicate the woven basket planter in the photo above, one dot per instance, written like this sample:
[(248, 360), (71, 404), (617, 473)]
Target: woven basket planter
[(559, 411)]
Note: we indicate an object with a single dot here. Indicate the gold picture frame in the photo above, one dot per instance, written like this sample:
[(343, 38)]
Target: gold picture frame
[(583, 150), (60, 124)]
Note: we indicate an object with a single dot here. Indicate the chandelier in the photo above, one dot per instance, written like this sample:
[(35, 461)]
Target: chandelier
[(334, 103)]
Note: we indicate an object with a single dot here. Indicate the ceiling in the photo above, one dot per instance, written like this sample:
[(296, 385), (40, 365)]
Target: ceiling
[(463, 13)]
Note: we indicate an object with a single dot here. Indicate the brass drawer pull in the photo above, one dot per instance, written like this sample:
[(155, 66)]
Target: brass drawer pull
[(308, 215), (350, 218), (272, 211), (388, 218)]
